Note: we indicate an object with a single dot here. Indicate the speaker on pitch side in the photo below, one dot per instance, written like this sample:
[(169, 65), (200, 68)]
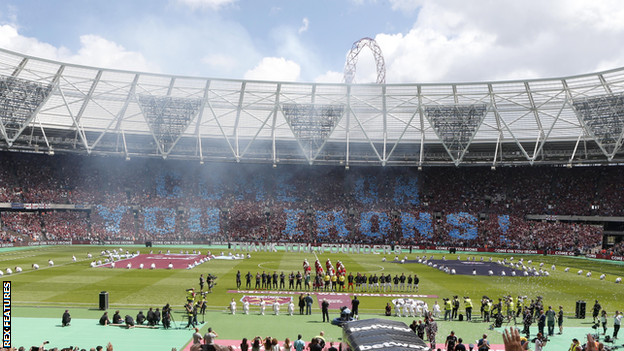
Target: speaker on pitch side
[(581, 307), (104, 300)]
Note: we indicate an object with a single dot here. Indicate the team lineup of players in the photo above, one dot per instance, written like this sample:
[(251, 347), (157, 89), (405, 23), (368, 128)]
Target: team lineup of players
[(329, 279)]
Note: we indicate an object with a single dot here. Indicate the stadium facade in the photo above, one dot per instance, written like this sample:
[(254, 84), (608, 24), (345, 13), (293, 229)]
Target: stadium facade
[(48, 106)]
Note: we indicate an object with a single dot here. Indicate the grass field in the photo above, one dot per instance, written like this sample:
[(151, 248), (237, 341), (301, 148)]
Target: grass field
[(49, 290)]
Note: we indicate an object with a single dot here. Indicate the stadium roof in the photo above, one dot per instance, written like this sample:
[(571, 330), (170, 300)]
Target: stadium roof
[(49, 106)]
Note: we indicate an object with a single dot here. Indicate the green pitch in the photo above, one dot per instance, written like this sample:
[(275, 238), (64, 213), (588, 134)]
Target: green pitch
[(46, 292)]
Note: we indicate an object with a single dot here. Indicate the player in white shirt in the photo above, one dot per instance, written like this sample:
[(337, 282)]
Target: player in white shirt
[(262, 306), (412, 309), (405, 308), (291, 308), (233, 306), (419, 310), (246, 307), (436, 310), (276, 308)]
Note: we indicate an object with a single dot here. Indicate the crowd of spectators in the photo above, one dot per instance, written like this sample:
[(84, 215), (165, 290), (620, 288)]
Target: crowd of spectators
[(177, 200), (26, 223), (61, 226)]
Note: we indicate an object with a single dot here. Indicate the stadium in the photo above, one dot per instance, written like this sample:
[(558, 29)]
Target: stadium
[(104, 173)]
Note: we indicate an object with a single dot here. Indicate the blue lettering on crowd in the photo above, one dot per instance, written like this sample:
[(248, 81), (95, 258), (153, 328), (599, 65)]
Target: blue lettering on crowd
[(325, 220), (465, 225), (409, 224), (284, 188), (111, 216), (366, 189), (406, 191), (205, 225), (292, 217), (167, 184), (150, 220), (366, 225), (210, 187), (246, 188)]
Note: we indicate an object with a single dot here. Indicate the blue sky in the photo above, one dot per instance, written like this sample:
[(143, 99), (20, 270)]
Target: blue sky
[(422, 40)]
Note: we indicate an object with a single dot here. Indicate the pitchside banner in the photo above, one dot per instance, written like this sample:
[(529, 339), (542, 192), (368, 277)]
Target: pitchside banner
[(365, 249), (605, 257)]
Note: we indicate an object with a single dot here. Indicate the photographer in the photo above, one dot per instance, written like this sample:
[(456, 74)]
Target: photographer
[(603, 321), (447, 309), (204, 304), (617, 321), (455, 304), (190, 295), (104, 319), (540, 342), (150, 317), (140, 318), (211, 282), (166, 316), (129, 321), (596, 310), (189, 314), (66, 319), (468, 304)]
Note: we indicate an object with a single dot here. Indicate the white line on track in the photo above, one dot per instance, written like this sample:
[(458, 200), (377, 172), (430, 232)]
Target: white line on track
[(17, 258)]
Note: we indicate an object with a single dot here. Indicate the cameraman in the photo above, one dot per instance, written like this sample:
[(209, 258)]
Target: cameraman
[(189, 314), (540, 342), (166, 316)]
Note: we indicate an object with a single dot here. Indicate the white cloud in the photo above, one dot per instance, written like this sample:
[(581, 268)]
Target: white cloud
[(329, 77), (304, 25), (275, 69), (219, 61), (212, 4), (99, 52), (94, 51), (407, 6), (456, 40)]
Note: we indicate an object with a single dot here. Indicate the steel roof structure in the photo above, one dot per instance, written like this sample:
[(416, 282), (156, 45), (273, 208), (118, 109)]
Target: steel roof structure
[(48, 106)]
